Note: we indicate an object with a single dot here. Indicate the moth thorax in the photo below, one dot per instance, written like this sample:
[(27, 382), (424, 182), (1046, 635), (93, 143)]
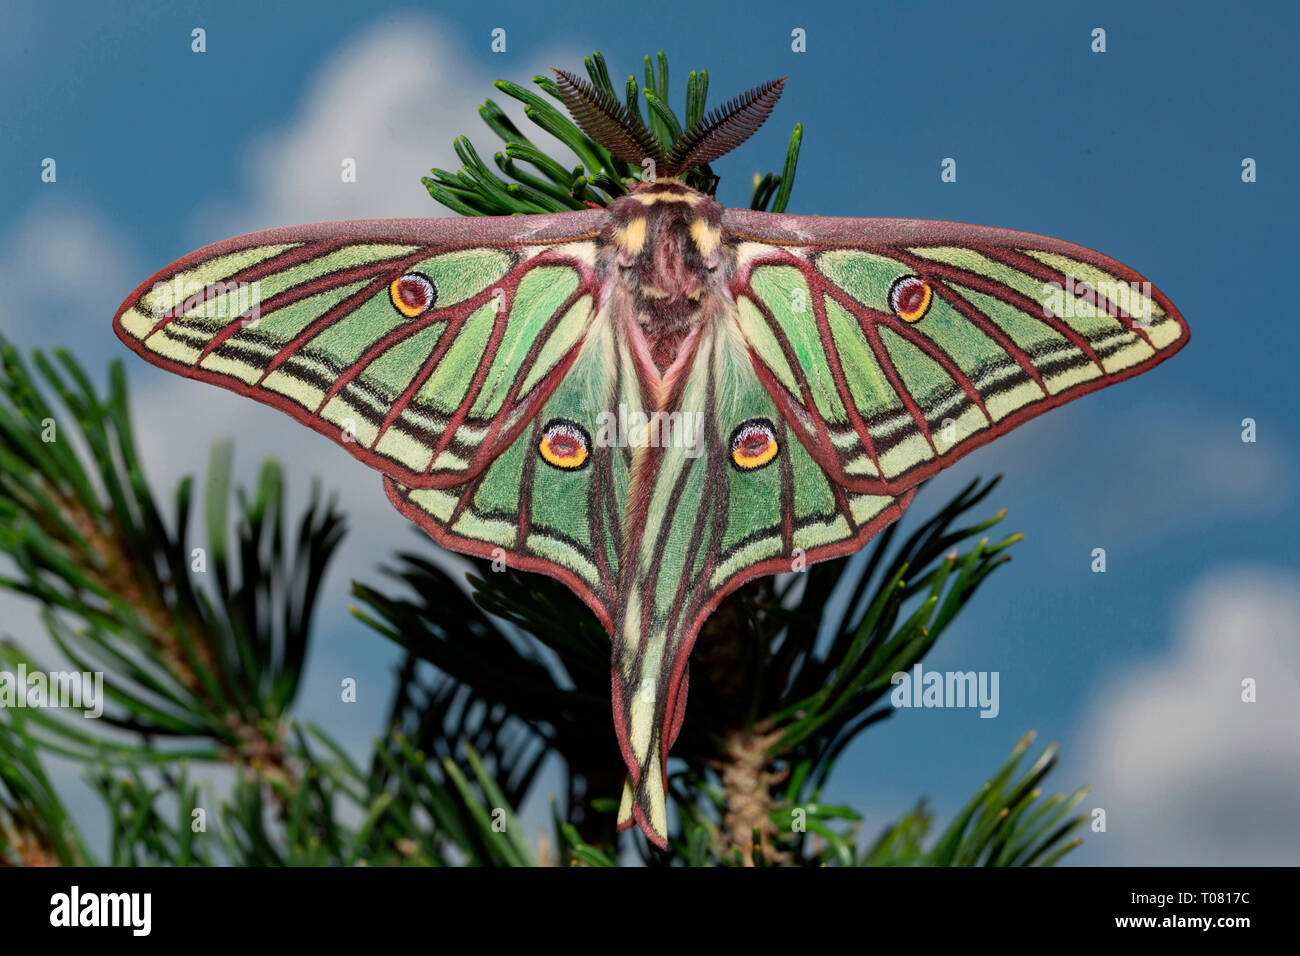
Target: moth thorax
[(668, 246)]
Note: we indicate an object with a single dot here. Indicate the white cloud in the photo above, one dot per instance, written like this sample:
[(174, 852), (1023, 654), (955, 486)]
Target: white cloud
[(393, 100), (60, 264), (1188, 773)]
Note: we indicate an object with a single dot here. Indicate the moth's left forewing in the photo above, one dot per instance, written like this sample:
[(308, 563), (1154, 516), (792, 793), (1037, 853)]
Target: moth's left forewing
[(894, 347), (421, 346)]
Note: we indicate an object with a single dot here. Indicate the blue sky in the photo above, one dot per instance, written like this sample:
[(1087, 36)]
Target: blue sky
[(1136, 152)]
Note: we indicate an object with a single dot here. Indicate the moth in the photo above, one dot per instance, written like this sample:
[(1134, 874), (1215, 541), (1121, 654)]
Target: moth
[(660, 400)]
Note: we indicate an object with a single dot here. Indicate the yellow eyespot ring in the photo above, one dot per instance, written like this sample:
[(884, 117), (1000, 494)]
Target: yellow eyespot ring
[(565, 445), (412, 294), (753, 444), (910, 298)]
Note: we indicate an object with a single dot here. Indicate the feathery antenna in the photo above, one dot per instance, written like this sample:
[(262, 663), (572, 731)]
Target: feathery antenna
[(601, 116), (723, 129), (608, 121)]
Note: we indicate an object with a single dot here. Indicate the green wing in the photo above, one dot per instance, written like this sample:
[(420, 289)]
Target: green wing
[(895, 347), (423, 347)]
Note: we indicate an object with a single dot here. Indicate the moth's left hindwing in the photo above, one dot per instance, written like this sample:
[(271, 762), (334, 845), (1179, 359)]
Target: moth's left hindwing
[(423, 347)]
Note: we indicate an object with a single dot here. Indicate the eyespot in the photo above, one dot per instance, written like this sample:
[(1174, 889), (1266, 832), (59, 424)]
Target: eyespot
[(565, 444), (910, 297), (412, 294), (753, 444)]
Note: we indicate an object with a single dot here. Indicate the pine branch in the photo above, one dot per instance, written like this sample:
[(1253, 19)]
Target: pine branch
[(1006, 824), (195, 642), (35, 829), (517, 647), (552, 184), (202, 645)]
